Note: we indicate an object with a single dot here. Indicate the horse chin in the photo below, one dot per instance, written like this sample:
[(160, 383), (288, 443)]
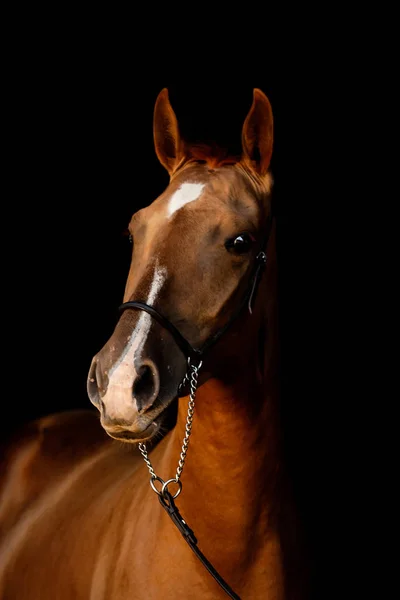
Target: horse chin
[(144, 427), (135, 437)]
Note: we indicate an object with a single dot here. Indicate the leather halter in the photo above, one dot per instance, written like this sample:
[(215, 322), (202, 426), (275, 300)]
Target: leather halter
[(196, 354)]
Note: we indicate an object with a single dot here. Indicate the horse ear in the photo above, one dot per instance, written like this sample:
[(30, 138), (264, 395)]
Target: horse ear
[(257, 134), (167, 141)]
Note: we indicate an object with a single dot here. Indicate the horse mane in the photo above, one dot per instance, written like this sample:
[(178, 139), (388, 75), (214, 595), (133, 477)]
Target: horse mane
[(211, 154)]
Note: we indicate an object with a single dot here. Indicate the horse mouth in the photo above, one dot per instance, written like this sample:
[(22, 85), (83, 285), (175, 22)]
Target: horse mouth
[(134, 437)]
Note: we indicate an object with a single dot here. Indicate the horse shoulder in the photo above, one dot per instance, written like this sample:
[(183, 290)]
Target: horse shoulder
[(39, 454)]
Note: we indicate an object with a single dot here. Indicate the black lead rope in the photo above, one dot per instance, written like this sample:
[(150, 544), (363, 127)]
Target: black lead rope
[(168, 504)]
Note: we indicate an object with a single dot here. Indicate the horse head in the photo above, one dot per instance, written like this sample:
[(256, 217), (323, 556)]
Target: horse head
[(193, 252)]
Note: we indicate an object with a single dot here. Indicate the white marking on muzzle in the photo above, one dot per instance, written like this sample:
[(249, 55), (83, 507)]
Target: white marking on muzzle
[(118, 397), (187, 192)]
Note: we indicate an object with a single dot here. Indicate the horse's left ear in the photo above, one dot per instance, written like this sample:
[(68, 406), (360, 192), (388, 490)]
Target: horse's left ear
[(168, 144), (257, 134)]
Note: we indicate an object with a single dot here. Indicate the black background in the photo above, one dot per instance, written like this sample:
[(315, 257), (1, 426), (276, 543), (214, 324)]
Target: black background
[(82, 161)]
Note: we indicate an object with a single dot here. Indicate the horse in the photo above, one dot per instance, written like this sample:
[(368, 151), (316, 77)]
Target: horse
[(198, 329)]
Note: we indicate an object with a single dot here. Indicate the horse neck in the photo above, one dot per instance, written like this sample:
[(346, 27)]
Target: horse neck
[(232, 469)]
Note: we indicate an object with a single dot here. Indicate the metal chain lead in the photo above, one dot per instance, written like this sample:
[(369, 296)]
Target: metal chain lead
[(189, 419), (192, 375)]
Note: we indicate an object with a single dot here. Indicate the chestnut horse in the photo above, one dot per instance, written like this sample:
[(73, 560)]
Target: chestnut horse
[(79, 518)]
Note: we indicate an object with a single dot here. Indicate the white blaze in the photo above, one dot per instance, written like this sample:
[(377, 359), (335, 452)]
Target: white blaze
[(188, 192), (118, 397)]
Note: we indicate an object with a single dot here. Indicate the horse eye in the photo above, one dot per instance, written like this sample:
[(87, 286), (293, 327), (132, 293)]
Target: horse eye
[(241, 244)]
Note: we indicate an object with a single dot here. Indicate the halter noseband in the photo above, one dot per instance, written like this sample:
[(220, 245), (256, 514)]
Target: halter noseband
[(194, 354)]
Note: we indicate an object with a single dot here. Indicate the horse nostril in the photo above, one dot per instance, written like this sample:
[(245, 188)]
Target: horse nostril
[(146, 387), (92, 386), (96, 383)]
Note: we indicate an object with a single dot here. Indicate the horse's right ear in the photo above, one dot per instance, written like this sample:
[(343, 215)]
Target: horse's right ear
[(167, 141), (257, 134)]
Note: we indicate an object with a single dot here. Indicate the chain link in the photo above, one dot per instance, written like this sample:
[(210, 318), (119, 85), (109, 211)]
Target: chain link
[(192, 375), (143, 450)]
